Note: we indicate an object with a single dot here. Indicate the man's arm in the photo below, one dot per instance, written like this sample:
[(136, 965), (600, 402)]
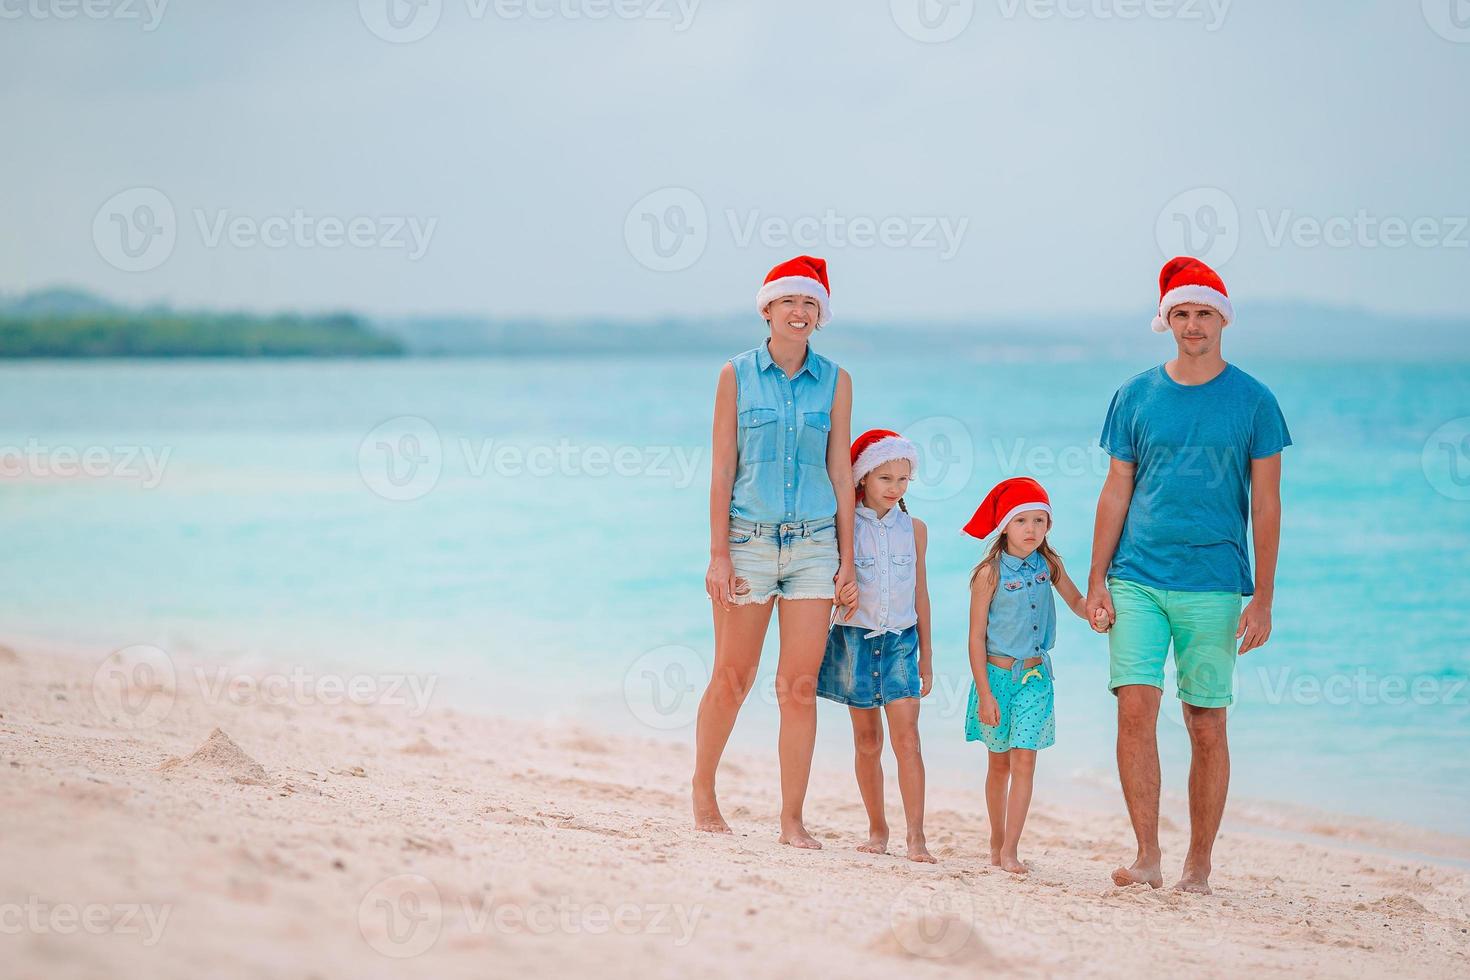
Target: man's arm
[(1255, 620), (1112, 510)]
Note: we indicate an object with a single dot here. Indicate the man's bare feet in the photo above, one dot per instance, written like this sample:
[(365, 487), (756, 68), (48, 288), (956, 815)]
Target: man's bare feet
[(1141, 872), (877, 842), (1194, 880), (707, 814), (919, 850), (795, 835)]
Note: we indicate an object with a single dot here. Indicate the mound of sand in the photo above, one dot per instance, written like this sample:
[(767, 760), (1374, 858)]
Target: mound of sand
[(219, 756), (941, 937), (422, 747), (8, 656)]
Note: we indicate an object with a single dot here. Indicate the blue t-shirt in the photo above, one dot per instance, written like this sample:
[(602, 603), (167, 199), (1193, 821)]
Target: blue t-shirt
[(1192, 446)]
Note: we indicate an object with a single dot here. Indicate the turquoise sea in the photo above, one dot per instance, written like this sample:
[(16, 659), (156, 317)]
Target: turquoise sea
[(533, 532)]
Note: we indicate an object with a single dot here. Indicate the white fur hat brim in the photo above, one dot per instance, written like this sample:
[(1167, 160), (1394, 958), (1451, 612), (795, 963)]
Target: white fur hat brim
[(1203, 295), (795, 286), (885, 450)]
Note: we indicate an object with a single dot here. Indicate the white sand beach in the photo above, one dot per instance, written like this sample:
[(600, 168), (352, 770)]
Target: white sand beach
[(322, 840)]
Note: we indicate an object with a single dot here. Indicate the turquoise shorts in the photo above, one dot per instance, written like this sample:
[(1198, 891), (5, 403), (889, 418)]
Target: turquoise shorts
[(1201, 626), (1027, 711)]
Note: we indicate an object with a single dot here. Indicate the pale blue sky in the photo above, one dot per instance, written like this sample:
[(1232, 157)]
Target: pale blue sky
[(1048, 145)]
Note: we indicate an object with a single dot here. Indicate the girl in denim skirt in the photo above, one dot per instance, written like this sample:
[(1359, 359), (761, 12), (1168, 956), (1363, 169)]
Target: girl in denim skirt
[(880, 655), (778, 530), (1012, 629)]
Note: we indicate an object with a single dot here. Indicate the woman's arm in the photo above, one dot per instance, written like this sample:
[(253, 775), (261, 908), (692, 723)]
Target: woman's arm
[(839, 471), (719, 579), (921, 606)]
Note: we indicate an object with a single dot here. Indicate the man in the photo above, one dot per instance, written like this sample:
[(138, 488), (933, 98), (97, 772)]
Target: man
[(1196, 452)]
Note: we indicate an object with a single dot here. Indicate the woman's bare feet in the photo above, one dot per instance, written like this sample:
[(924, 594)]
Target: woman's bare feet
[(1142, 872), (995, 850), (919, 850), (795, 834), (1013, 864), (877, 841), (1195, 880), (707, 814)]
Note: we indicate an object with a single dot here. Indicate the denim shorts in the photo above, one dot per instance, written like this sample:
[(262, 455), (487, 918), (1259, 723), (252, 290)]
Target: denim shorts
[(786, 561), (864, 672)]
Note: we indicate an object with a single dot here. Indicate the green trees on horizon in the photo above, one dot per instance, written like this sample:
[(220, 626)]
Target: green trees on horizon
[(170, 334)]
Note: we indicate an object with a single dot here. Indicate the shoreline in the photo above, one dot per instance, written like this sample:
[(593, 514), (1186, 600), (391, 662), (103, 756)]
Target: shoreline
[(347, 838)]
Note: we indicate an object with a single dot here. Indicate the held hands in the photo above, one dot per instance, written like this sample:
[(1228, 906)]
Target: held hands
[(1255, 626), (988, 710), (1100, 613), (847, 590), (926, 674)]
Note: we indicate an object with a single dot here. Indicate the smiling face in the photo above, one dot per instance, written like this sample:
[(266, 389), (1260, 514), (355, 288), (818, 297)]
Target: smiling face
[(1196, 328), (1027, 530), (884, 486), (793, 318)]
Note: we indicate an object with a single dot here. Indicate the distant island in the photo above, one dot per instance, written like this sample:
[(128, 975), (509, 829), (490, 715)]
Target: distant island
[(73, 323)]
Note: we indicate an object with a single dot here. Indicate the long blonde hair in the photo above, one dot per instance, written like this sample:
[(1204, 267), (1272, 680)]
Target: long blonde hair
[(992, 557)]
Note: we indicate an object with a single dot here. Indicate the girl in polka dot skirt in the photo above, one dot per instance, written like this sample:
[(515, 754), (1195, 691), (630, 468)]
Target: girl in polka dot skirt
[(1012, 628)]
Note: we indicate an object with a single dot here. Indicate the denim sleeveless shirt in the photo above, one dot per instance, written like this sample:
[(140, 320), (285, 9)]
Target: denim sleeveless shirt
[(781, 473), (1023, 612), (884, 553)]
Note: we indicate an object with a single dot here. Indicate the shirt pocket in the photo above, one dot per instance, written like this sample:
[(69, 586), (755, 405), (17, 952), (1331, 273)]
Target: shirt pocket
[(811, 442), (903, 567), (758, 435), (867, 568)]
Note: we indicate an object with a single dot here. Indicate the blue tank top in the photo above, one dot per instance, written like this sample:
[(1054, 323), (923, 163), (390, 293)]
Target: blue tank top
[(1023, 612), (781, 473)]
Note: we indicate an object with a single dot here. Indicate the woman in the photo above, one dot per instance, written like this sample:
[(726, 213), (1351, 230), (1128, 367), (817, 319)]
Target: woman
[(778, 530)]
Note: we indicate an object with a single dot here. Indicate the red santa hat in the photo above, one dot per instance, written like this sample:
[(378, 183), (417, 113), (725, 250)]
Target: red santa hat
[(1004, 501), (1188, 280), (804, 275), (878, 446)]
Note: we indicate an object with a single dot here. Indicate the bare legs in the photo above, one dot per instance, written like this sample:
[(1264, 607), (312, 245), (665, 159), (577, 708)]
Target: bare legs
[(1138, 771), (1209, 780), (803, 624), (867, 737), (1008, 785), (867, 740), (739, 634)]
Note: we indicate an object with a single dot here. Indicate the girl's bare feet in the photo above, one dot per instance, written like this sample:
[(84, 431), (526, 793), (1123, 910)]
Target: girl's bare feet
[(795, 834), (919, 850), (877, 841)]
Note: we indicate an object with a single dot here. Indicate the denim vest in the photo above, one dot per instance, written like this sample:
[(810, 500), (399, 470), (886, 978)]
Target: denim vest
[(1023, 612), (885, 556), (781, 474)]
